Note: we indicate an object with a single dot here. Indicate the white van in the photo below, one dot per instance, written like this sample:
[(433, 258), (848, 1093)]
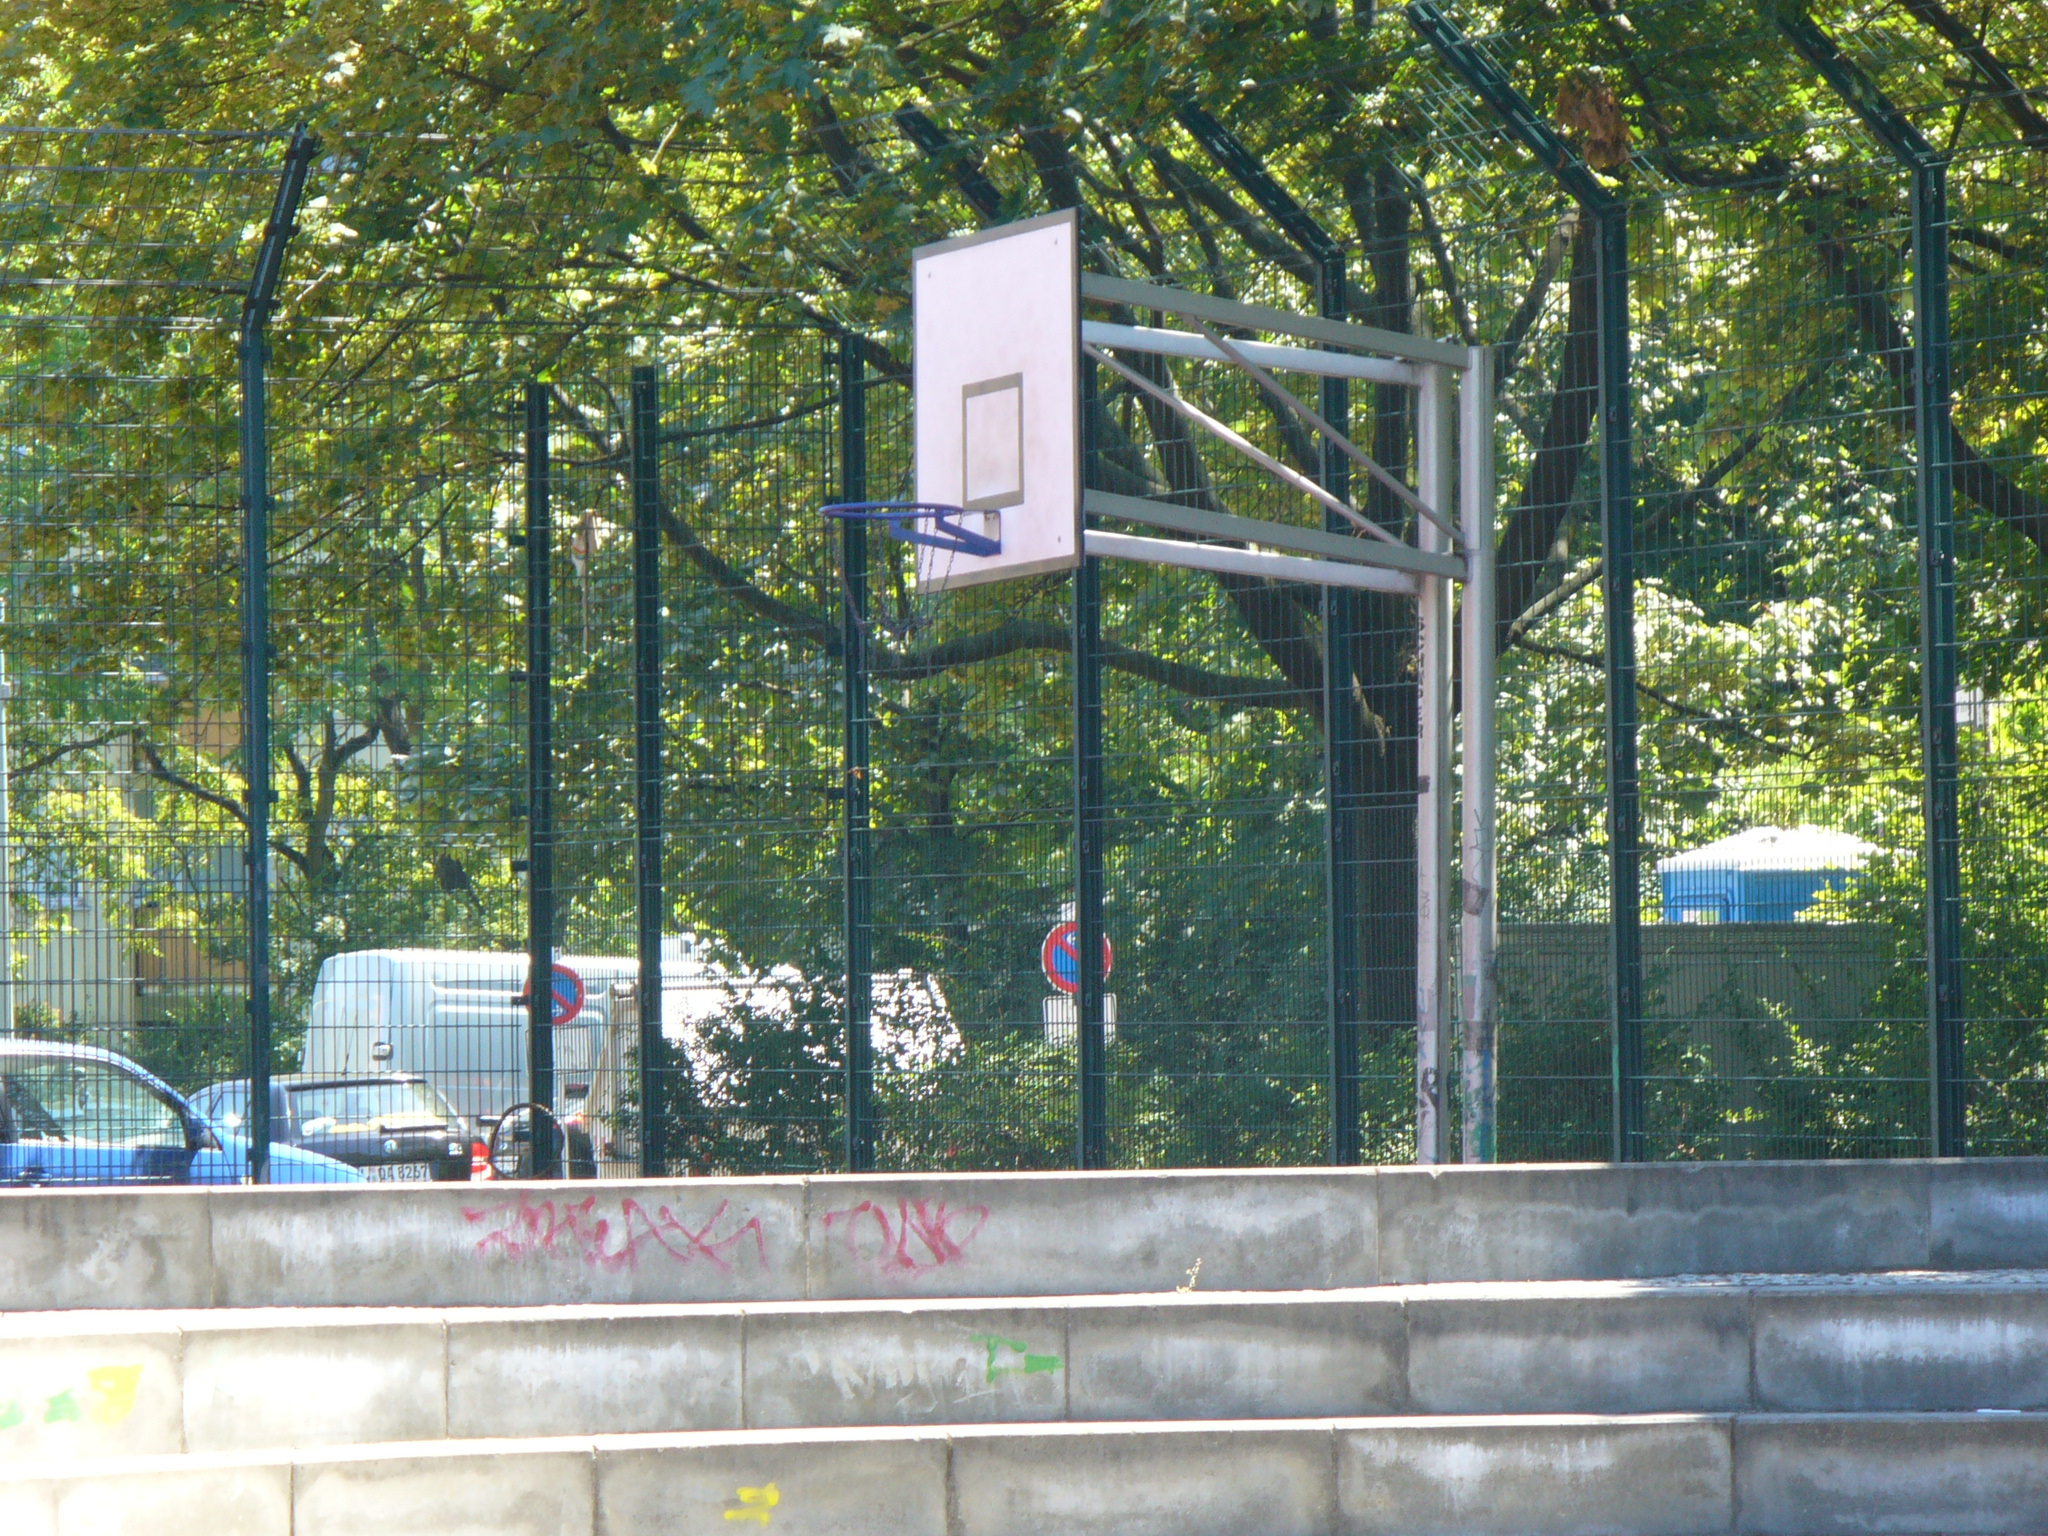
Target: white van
[(456, 1018)]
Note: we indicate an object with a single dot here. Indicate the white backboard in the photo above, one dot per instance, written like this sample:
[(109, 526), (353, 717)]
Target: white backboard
[(995, 364)]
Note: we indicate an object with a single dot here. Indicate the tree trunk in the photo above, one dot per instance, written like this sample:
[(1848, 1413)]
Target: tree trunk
[(1381, 664)]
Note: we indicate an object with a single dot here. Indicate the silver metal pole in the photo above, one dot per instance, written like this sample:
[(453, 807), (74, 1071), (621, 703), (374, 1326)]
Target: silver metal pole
[(1479, 994), (1433, 451)]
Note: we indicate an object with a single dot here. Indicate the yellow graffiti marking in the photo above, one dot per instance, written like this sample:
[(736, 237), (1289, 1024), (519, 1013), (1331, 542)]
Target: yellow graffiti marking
[(114, 1392), (758, 1501)]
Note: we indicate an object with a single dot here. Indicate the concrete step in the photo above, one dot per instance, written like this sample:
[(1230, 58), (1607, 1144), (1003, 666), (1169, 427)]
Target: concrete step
[(79, 1384), (1655, 1475), (1009, 1234)]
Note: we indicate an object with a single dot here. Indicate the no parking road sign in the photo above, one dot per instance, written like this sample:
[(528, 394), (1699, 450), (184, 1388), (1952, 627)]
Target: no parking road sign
[(565, 995), (1060, 957)]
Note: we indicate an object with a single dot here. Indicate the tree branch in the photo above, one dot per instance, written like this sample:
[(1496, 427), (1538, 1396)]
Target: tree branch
[(2032, 126), (1015, 635), (1734, 729), (1975, 477), (1533, 525), (934, 142)]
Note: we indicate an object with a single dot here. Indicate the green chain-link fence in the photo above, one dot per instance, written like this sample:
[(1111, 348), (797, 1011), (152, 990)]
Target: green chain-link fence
[(1777, 602)]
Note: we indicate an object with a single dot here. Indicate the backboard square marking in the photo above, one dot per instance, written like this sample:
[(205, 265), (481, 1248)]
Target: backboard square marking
[(992, 443)]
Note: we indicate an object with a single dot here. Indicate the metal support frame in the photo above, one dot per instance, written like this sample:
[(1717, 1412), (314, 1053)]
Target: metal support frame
[(650, 902), (256, 657), (1610, 212), (1430, 367), (1936, 509), (858, 867), (1091, 1048), (1433, 791), (540, 786), (1479, 991)]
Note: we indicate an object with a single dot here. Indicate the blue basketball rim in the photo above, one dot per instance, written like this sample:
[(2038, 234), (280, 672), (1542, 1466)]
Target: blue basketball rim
[(902, 520)]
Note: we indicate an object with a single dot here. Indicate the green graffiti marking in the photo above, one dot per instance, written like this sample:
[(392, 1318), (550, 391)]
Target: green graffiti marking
[(107, 1398), (1008, 1357)]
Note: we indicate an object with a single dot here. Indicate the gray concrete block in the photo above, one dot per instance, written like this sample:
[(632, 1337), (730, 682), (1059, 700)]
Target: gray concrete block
[(1666, 1476), (1078, 1234), (1573, 1348), (914, 1363), (1159, 1480), (854, 1483), (105, 1248), (1643, 1220), (28, 1506), (1903, 1349), (373, 1377), (219, 1496), (596, 1370), (1900, 1475), (473, 1488), (511, 1244), (1190, 1357), (1988, 1213), (69, 1388)]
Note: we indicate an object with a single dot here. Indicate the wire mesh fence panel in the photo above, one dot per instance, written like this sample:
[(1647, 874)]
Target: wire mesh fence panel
[(1215, 897), (1777, 617), (972, 804), (2000, 276), (595, 1034), (752, 700), (398, 919), (122, 873)]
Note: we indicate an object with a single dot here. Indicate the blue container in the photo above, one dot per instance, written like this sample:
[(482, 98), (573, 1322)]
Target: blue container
[(1765, 875)]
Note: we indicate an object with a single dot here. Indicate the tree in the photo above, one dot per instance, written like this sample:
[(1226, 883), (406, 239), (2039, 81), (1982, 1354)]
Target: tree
[(507, 192)]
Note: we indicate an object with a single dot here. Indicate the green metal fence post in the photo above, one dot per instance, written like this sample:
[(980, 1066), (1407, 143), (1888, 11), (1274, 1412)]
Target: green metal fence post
[(647, 760), (1617, 532), (1936, 508), (540, 788), (858, 869), (256, 508)]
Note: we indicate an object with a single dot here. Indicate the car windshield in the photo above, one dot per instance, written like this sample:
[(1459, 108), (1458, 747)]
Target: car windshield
[(58, 1099), (332, 1107)]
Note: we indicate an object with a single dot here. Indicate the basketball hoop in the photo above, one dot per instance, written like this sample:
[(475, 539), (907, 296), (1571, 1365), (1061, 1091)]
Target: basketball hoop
[(935, 532)]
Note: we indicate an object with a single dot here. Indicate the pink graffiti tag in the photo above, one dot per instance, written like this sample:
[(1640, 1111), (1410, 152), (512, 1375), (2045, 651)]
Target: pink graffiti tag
[(931, 1224), (525, 1229)]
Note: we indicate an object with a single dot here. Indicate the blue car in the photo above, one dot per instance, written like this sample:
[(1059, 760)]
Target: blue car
[(74, 1115)]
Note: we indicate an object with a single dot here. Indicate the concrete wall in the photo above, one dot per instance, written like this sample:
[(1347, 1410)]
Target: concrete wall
[(113, 1384), (1667, 1475), (1008, 1234)]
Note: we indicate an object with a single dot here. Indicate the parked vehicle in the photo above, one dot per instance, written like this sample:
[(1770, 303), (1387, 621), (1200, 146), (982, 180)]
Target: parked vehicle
[(458, 1019), (74, 1114), (391, 1125)]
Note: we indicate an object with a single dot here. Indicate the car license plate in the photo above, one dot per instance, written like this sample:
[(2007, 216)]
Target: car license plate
[(396, 1173)]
